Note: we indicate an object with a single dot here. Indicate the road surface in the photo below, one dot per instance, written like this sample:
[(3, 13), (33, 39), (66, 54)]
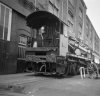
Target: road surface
[(30, 85)]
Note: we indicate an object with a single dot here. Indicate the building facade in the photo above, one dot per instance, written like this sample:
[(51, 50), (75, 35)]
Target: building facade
[(14, 29), (80, 19)]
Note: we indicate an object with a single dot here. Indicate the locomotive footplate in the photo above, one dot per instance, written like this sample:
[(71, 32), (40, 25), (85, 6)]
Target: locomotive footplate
[(42, 64)]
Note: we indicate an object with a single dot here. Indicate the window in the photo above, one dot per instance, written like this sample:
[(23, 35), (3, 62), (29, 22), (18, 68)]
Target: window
[(72, 2), (5, 22), (54, 2), (96, 43), (70, 27), (53, 9), (70, 21), (91, 35), (80, 13), (80, 31), (70, 14), (23, 40), (87, 30), (70, 17)]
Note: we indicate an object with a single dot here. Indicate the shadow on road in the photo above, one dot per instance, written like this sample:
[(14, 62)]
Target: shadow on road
[(50, 76)]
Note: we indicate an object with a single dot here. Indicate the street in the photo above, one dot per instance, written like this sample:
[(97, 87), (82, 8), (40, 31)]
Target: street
[(30, 85)]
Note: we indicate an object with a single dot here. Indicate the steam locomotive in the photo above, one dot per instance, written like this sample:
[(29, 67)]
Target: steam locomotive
[(49, 51)]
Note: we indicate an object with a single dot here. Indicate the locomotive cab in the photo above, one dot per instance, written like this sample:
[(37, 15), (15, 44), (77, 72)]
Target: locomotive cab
[(48, 42)]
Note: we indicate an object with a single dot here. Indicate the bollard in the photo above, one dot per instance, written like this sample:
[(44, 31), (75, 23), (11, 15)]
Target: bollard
[(82, 72)]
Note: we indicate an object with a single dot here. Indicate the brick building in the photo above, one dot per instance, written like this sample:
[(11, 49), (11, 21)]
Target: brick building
[(13, 29)]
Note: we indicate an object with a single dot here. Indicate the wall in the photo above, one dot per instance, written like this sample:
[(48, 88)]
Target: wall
[(89, 33), (72, 19), (22, 7), (80, 4)]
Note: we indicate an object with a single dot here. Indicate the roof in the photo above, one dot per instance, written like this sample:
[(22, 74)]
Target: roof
[(40, 18)]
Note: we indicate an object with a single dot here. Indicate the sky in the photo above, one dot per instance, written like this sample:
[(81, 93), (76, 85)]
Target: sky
[(93, 12)]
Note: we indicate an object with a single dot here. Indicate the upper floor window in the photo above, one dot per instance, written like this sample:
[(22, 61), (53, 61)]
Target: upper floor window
[(54, 2), (80, 13), (53, 8), (72, 2), (28, 4), (70, 14), (70, 21), (70, 27), (87, 30), (5, 22), (91, 34), (80, 31), (96, 43)]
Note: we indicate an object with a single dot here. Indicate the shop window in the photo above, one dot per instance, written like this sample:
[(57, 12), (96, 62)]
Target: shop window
[(5, 22)]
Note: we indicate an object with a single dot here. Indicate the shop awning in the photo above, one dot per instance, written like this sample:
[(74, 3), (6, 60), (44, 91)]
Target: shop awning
[(40, 18)]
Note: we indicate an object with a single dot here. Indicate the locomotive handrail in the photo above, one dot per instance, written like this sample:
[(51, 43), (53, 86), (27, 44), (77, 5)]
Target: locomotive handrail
[(41, 49), (70, 60), (81, 57)]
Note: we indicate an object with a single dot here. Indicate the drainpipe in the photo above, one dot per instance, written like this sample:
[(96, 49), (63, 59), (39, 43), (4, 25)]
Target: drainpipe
[(35, 5)]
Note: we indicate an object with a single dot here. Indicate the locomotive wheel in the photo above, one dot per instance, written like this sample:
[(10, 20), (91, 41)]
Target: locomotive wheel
[(43, 68), (73, 69), (77, 69), (30, 67), (67, 70), (92, 71), (94, 75)]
